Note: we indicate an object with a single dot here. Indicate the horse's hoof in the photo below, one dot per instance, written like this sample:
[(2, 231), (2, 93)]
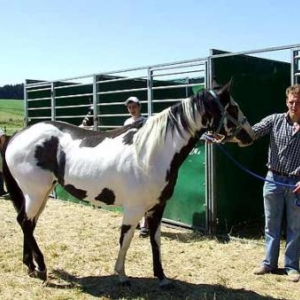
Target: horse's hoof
[(38, 274)]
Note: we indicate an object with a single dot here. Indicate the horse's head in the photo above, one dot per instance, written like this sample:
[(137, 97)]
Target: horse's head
[(230, 121)]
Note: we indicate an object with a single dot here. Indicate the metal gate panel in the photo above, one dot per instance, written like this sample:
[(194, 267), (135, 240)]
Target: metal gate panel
[(157, 87)]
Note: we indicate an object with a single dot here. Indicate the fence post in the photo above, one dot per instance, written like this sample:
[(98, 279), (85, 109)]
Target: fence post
[(53, 104), (95, 102), (150, 91)]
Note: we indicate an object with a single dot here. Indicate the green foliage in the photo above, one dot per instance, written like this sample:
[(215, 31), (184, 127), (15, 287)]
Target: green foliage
[(12, 91), (11, 115)]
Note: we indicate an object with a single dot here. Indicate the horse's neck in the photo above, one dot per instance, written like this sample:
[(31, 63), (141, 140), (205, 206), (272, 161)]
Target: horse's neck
[(182, 146), (170, 154)]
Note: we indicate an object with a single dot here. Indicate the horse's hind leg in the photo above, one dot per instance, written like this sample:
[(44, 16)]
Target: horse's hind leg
[(27, 218), (27, 256), (154, 224), (32, 255)]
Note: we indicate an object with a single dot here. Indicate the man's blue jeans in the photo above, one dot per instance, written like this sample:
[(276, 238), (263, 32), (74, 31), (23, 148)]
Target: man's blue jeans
[(277, 200)]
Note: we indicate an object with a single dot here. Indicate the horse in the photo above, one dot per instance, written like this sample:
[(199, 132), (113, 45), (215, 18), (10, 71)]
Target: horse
[(135, 166)]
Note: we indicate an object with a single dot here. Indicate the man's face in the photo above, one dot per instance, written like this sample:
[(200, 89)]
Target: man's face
[(134, 109), (293, 104)]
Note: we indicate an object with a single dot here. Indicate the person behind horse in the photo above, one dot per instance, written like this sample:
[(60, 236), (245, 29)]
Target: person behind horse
[(88, 120), (283, 167), (134, 108), (2, 141)]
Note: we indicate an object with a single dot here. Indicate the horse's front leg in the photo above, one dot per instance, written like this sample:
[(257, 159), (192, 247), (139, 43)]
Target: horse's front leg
[(127, 232), (154, 223)]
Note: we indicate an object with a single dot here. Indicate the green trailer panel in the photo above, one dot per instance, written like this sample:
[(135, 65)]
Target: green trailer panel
[(187, 205), (259, 87)]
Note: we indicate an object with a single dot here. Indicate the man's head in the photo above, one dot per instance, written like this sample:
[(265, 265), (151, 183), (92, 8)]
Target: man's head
[(133, 106), (293, 102)]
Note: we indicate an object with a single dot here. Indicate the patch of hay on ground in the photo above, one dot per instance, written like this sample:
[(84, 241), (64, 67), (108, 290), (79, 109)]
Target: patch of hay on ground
[(80, 245)]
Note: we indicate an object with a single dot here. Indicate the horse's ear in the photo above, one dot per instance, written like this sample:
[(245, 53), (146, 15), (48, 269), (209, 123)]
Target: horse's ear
[(226, 88), (215, 85)]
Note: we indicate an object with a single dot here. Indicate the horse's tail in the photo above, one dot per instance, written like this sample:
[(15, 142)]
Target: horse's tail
[(16, 195)]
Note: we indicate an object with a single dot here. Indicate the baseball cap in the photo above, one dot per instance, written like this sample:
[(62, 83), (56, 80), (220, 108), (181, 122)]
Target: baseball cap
[(132, 99)]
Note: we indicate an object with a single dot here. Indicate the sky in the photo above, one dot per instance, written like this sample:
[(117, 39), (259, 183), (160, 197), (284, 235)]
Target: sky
[(56, 39)]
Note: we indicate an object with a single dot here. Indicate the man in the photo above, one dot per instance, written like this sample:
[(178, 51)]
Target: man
[(134, 108), (283, 167), (2, 140)]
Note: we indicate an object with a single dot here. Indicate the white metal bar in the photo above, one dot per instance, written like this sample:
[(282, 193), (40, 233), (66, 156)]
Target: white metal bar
[(175, 86), (74, 96), (179, 66), (37, 84), (121, 91), (178, 73), (114, 115), (38, 90), (114, 103), (39, 99), (40, 118), (167, 100), (109, 126), (150, 92), (73, 106), (70, 117), (53, 102), (95, 102), (121, 79), (71, 85), (39, 108), (25, 105)]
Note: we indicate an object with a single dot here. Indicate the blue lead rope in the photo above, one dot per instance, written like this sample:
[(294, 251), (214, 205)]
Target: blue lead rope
[(205, 136)]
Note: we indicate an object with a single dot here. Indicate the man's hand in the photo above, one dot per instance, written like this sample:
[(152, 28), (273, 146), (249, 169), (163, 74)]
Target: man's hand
[(297, 188)]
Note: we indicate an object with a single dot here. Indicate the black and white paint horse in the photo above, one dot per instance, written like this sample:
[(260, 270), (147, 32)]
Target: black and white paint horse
[(135, 166)]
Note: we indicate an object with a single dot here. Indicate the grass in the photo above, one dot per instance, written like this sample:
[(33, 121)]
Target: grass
[(11, 115), (80, 246)]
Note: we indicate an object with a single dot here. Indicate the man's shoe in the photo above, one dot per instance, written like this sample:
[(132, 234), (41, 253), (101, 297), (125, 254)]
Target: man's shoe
[(144, 232), (293, 275), (3, 193), (262, 271)]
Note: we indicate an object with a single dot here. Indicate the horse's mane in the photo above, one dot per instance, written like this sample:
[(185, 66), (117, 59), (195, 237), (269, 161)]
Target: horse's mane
[(179, 119)]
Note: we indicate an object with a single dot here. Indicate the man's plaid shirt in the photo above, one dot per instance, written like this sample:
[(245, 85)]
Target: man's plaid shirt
[(284, 147)]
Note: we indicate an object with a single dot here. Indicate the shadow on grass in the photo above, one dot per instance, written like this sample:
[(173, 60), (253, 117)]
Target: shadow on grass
[(252, 230), (147, 288)]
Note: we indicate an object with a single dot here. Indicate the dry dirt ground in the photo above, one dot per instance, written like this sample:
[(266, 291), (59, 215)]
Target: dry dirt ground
[(80, 246)]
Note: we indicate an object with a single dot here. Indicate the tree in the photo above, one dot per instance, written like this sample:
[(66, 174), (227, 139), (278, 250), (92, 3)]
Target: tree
[(12, 91)]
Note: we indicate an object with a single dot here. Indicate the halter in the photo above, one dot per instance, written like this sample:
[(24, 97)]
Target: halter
[(226, 115)]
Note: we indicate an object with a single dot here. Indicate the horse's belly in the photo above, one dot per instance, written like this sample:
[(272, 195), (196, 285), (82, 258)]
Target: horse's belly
[(114, 189)]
